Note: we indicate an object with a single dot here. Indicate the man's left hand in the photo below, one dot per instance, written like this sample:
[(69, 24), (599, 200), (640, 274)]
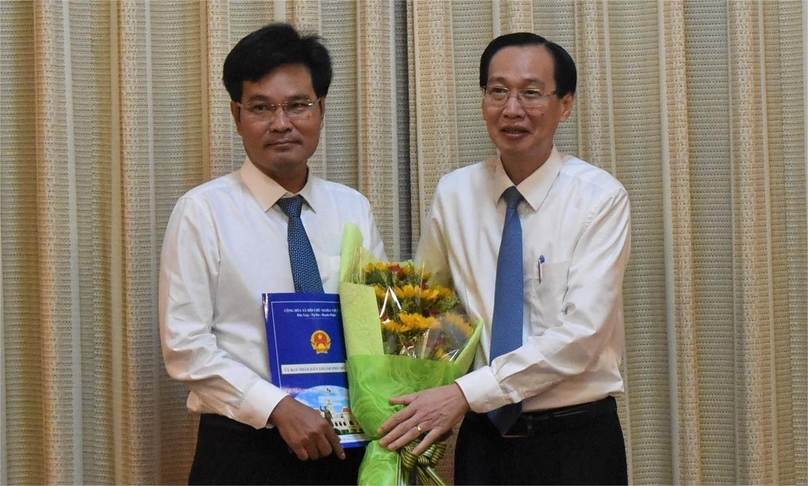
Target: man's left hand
[(431, 413)]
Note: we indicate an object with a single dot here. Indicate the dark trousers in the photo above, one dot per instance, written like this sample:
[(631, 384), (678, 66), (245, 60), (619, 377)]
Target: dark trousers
[(574, 445), (229, 452)]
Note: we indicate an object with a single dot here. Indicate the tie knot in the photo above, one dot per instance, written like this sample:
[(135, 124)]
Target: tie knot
[(512, 197), (291, 206)]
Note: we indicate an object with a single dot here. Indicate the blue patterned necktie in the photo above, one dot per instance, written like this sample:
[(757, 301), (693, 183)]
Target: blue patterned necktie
[(506, 326), (305, 273)]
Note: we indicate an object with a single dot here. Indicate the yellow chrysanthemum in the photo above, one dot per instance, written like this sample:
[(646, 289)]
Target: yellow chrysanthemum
[(378, 267), (410, 272), (457, 321), (443, 292), (392, 326), (380, 292), (415, 322), (420, 319), (406, 270), (430, 295), (408, 292)]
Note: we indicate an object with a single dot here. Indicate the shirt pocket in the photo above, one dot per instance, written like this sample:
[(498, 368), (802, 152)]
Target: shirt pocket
[(547, 296)]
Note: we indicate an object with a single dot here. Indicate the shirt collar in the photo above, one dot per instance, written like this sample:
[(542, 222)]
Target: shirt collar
[(267, 191), (537, 185)]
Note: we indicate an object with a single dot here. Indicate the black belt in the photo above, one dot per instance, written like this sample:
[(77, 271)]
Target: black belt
[(532, 423)]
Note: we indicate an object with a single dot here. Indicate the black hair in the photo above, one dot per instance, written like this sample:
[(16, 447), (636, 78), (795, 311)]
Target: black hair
[(566, 76), (271, 46)]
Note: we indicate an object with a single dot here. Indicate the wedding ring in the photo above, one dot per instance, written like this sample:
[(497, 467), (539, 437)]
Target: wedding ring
[(418, 428)]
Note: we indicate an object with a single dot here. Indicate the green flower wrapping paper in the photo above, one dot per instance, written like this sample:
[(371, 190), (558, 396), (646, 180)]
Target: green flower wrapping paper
[(374, 377)]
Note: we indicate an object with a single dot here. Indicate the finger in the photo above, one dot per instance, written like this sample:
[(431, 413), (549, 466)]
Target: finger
[(312, 450), (301, 453), (335, 445), (395, 420), (323, 445), (405, 435), (397, 432), (427, 441), (403, 399), (446, 436)]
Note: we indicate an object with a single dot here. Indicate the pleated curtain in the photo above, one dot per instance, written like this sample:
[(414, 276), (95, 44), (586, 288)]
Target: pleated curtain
[(109, 111)]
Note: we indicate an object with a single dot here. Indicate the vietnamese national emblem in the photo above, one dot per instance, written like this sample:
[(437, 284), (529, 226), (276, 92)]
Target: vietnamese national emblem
[(320, 341)]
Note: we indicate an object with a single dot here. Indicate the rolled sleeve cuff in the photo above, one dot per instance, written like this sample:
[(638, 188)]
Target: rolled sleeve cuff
[(259, 402), (482, 390)]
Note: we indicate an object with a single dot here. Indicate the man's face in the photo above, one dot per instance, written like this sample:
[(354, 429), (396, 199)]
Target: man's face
[(524, 135), (279, 143)]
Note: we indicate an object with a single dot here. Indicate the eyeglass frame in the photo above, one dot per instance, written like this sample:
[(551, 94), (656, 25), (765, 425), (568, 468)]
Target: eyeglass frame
[(272, 109), (543, 97)]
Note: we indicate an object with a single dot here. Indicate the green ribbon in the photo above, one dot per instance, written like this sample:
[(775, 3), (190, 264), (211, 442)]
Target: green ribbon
[(424, 464)]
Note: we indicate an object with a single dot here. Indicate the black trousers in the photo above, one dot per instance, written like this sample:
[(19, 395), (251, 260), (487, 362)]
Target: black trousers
[(229, 452), (574, 445)]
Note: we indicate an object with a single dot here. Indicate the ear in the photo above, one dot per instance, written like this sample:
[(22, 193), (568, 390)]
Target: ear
[(566, 106), (235, 110), (322, 112)]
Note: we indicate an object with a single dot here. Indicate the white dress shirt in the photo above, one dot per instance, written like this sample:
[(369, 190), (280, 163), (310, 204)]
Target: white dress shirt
[(576, 216), (225, 245)]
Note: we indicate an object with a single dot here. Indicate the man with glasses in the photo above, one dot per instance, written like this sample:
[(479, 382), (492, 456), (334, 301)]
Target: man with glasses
[(537, 244), (230, 240)]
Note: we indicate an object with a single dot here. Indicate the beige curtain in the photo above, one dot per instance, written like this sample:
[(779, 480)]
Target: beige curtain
[(109, 111)]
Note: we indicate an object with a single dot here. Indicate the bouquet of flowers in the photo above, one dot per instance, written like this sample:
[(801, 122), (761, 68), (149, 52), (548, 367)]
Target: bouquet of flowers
[(402, 335)]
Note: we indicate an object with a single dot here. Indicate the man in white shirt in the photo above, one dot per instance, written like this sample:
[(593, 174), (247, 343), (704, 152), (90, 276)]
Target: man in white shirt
[(226, 244), (560, 378)]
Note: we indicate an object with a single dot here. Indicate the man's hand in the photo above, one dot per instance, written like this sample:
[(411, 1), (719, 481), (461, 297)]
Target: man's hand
[(432, 412), (305, 431)]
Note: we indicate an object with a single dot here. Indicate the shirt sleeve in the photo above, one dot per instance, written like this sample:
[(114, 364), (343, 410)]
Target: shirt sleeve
[(188, 277), (431, 251), (591, 313)]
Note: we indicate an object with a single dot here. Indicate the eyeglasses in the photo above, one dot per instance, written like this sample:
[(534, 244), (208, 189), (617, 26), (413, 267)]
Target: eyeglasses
[(294, 109), (528, 98)]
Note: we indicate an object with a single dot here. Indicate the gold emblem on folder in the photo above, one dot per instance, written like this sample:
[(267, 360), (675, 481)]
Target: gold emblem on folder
[(320, 341)]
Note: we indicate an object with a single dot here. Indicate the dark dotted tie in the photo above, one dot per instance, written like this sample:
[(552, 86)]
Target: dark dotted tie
[(506, 326), (305, 273)]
